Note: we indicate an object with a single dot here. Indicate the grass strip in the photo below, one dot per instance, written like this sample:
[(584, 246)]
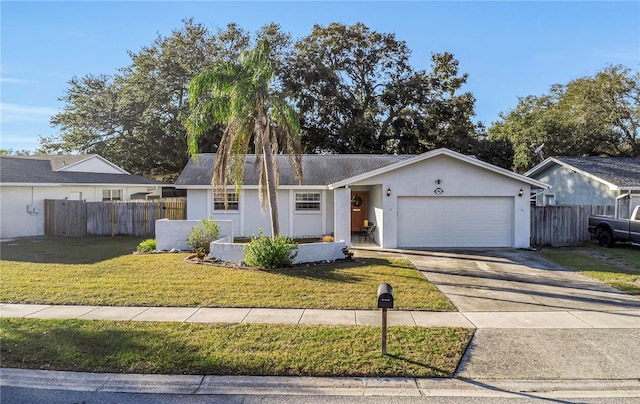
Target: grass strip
[(224, 349), (54, 275), (618, 267)]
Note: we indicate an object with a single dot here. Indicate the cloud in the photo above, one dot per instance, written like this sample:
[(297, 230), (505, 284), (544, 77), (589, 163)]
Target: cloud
[(25, 113), (13, 80)]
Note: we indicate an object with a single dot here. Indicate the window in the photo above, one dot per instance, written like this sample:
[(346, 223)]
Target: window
[(111, 194), (549, 199), (218, 201), (308, 201)]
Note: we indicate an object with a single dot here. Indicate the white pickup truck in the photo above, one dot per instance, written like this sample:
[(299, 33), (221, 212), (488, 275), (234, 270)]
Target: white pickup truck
[(608, 229)]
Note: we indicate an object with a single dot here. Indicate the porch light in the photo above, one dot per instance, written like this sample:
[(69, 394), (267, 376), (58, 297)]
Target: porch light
[(521, 192), (388, 191)]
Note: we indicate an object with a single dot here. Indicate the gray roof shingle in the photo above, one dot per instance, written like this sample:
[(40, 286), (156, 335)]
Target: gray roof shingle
[(623, 172), (40, 170), (317, 169)]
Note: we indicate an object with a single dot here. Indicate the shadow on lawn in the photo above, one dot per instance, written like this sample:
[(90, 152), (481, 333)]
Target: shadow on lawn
[(334, 271), (77, 345), (67, 250), (434, 370)]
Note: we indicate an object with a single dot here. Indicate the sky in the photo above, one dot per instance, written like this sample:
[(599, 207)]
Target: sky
[(510, 49)]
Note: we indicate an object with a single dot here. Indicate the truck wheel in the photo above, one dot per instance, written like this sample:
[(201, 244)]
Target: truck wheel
[(605, 238)]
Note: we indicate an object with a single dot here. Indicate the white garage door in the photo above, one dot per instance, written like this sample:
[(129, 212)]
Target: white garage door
[(455, 222)]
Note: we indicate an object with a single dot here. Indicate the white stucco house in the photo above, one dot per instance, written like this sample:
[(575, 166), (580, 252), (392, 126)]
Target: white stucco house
[(589, 181), (26, 181), (437, 199)]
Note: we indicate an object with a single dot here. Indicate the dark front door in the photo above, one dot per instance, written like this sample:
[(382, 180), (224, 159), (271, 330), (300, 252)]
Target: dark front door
[(358, 210)]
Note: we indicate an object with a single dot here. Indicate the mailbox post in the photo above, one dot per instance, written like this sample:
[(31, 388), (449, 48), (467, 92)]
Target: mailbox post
[(385, 301)]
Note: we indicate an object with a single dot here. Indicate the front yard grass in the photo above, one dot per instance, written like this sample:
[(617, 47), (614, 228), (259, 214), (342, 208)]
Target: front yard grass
[(103, 271), (618, 266), (225, 349)]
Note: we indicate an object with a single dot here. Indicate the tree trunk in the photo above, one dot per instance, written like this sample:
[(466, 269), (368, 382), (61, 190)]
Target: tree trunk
[(270, 175)]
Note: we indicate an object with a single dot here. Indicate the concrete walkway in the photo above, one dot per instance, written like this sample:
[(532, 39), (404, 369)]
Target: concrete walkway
[(570, 319)]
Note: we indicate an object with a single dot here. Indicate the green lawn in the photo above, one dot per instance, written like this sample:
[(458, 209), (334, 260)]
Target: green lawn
[(618, 266), (225, 349), (103, 271)]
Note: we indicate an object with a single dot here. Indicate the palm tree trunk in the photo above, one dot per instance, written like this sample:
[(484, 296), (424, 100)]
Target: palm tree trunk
[(272, 192)]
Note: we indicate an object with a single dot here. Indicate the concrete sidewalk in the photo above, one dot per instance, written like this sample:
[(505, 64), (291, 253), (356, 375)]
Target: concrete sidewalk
[(570, 319), (557, 354)]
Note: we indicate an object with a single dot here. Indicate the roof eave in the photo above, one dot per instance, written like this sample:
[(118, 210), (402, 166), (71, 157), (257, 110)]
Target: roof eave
[(554, 160), (437, 152), (252, 187), (78, 184)]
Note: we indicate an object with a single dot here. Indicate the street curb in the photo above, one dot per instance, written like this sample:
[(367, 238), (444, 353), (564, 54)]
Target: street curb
[(316, 386)]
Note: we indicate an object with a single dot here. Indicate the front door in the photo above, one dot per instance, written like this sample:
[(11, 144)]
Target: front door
[(358, 211)]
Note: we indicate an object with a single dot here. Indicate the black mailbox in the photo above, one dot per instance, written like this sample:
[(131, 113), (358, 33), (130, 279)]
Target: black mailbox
[(385, 296)]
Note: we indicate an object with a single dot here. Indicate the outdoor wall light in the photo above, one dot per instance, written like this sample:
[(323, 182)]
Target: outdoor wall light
[(388, 191), (521, 192)]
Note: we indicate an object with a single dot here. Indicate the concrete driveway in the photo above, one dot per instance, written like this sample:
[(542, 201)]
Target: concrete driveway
[(505, 280), (511, 285)]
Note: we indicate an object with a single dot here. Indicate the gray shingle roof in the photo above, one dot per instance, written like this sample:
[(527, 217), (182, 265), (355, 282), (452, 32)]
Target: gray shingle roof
[(40, 170), (623, 172), (59, 161), (317, 169)]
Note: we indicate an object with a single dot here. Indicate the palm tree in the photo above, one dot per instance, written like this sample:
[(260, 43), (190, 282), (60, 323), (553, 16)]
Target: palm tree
[(241, 96)]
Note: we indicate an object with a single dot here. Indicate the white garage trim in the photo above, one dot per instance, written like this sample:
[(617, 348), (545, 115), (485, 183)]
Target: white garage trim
[(455, 221)]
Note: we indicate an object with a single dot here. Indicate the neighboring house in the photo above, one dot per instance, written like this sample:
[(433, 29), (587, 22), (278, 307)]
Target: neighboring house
[(26, 181), (589, 181), (436, 199)]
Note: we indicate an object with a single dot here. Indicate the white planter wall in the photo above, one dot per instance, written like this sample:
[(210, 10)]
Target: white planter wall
[(308, 252), (173, 233)]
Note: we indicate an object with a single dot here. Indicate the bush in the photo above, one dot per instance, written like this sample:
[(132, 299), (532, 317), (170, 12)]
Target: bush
[(203, 235), (147, 245), (328, 238), (270, 252)]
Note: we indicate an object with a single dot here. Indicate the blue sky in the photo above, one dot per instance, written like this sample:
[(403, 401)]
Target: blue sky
[(509, 49)]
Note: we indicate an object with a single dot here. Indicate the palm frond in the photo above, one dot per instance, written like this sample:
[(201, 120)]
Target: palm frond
[(239, 95)]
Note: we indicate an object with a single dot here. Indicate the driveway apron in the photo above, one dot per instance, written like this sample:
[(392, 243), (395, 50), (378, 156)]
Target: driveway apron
[(505, 281)]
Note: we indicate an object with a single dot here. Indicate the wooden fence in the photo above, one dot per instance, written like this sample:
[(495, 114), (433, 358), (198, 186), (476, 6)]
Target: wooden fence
[(563, 225), (111, 218)]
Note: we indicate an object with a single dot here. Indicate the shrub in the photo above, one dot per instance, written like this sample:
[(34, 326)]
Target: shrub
[(147, 245), (328, 238), (270, 252), (203, 235)]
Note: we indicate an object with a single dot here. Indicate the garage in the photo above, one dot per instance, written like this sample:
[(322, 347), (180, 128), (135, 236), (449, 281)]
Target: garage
[(455, 221)]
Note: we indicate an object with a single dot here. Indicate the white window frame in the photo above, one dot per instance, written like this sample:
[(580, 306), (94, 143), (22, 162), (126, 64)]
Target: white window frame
[(303, 204), (234, 202), (111, 196), (549, 199)]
